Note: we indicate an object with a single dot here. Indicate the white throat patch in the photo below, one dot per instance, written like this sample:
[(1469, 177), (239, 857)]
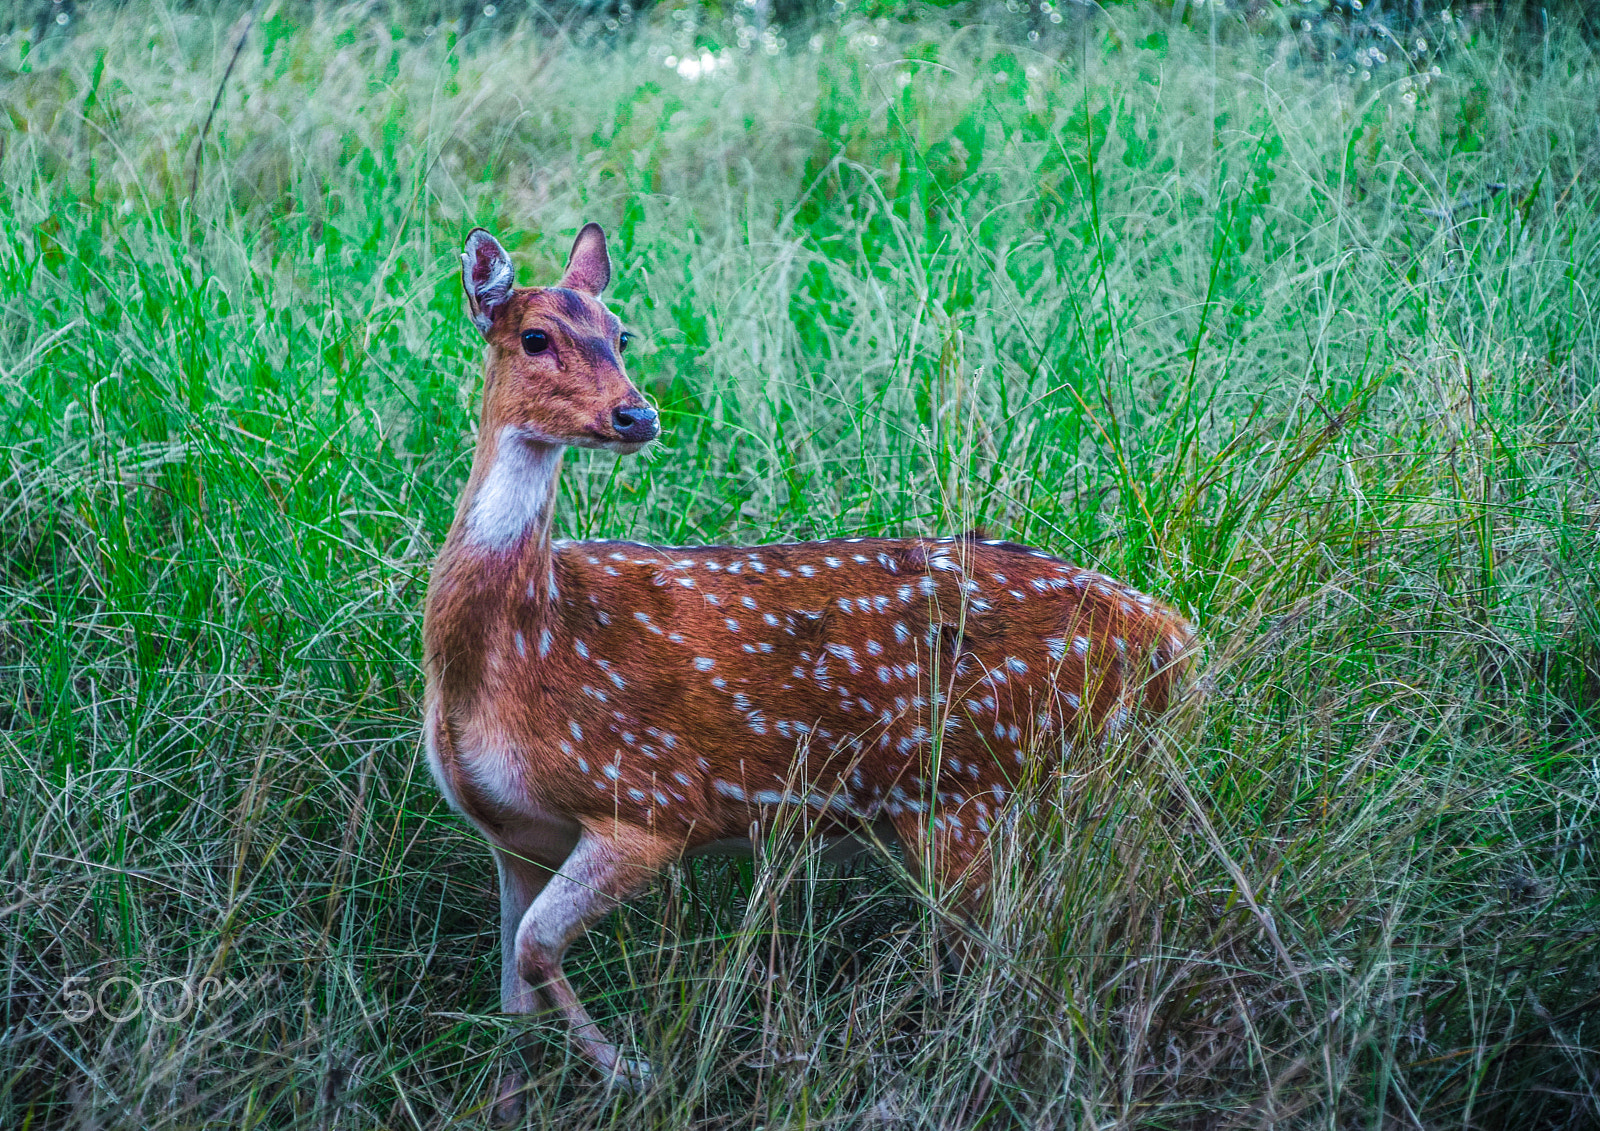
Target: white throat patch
[(515, 492)]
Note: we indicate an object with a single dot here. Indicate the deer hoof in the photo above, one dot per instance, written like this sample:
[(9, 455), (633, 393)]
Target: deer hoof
[(631, 1076), (509, 1108)]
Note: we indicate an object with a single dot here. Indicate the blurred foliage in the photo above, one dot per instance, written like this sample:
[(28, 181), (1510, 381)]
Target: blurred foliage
[(1336, 24)]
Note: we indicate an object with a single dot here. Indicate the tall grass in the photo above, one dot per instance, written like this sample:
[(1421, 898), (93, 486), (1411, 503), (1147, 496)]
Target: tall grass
[(1204, 309)]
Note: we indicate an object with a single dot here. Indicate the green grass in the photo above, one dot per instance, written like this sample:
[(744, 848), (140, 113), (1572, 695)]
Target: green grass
[(1164, 299)]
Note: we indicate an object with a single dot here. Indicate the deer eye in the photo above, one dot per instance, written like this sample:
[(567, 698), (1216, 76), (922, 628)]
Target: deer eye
[(535, 341), (625, 339)]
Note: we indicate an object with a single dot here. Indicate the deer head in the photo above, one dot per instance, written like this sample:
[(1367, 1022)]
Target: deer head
[(554, 372)]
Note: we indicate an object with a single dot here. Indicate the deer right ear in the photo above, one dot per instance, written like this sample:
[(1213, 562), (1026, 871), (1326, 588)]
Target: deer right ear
[(487, 276)]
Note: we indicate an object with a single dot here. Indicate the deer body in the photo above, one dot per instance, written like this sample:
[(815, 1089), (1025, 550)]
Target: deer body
[(679, 689), (599, 709)]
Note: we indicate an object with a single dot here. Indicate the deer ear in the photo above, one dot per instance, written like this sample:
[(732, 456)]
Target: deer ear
[(487, 276), (588, 267)]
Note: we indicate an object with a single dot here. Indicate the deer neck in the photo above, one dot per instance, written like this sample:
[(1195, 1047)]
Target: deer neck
[(510, 495), (498, 559)]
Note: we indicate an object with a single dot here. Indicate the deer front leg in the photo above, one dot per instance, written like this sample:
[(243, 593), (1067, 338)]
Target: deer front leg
[(610, 863), (521, 881)]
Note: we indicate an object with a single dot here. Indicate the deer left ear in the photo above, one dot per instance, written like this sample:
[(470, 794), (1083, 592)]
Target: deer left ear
[(588, 267)]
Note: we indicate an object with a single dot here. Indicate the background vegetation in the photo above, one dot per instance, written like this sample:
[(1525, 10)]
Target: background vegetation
[(1295, 325)]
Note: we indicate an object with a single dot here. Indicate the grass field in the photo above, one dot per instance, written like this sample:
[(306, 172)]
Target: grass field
[(1227, 313)]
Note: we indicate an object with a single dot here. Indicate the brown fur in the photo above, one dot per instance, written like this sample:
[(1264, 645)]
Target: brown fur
[(626, 703), (861, 660)]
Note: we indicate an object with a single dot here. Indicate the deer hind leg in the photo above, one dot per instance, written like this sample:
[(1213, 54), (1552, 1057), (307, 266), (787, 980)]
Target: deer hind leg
[(521, 881), (610, 863), (945, 850)]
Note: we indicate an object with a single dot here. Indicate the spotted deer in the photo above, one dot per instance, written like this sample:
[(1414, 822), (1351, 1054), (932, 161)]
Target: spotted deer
[(600, 709)]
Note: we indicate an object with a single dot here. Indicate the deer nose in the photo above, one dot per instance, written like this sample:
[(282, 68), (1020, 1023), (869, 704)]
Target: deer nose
[(636, 424)]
